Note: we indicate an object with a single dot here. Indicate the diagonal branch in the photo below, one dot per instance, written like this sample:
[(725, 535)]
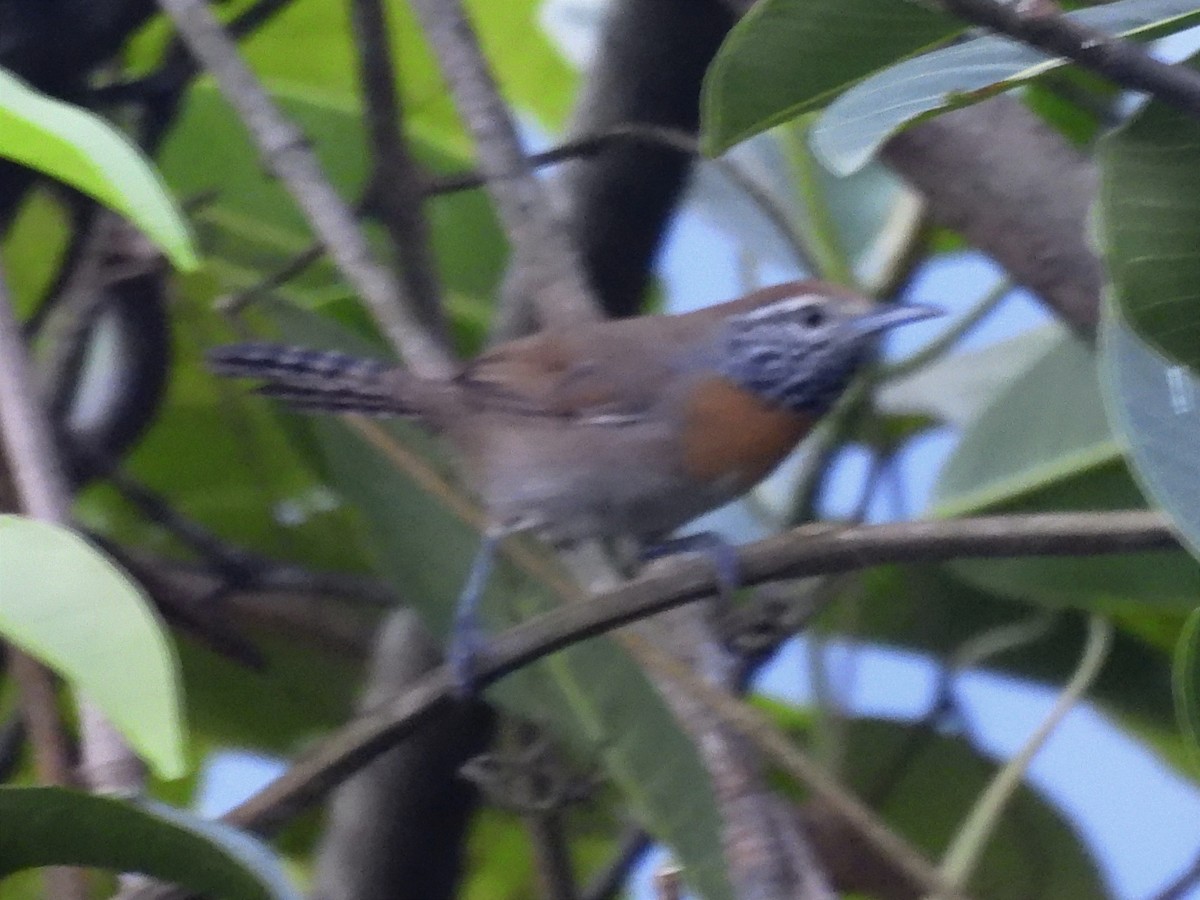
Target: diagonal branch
[(285, 151), (1042, 25), (395, 194), (31, 458), (550, 265), (803, 551)]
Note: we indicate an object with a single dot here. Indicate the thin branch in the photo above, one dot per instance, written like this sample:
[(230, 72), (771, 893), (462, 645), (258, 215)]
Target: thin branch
[(12, 740), (577, 148), (395, 193), (37, 473), (51, 753), (162, 90), (552, 859), (285, 150), (233, 304), (38, 702), (803, 551), (32, 455), (777, 746), (966, 850), (1042, 25), (582, 147), (552, 268)]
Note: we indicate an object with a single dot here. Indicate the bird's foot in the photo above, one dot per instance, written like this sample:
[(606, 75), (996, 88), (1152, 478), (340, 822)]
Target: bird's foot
[(718, 551), (468, 648), (468, 639)]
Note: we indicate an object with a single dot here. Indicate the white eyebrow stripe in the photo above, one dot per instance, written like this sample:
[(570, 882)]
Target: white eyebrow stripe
[(784, 306)]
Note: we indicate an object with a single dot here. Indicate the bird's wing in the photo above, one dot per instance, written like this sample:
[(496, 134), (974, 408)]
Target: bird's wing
[(588, 375)]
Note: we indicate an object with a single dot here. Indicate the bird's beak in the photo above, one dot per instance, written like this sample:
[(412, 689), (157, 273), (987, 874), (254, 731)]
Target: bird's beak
[(893, 315)]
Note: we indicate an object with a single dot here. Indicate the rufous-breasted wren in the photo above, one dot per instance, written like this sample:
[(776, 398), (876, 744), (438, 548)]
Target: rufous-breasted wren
[(626, 427)]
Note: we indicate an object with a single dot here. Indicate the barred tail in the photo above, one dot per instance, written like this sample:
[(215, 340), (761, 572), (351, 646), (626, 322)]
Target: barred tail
[(314, 379)]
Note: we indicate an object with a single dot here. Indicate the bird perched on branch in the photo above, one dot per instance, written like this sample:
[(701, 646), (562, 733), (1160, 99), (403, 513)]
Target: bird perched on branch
[(627, 427)]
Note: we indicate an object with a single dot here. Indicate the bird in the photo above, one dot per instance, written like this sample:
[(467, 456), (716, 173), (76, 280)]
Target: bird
[(627, 427)]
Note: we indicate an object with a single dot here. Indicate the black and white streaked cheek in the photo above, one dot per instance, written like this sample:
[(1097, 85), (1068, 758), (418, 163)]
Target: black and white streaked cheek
[(800, 369)]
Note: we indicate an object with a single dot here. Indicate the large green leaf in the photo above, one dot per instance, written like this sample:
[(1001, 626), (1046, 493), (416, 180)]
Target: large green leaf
[(62, 601), (82, 150), (1013, 449), (591, 694), (1149, 213), (787, 57), (47, 826), (1154, 405), (977, 376), (857, 123), (1044, 444)]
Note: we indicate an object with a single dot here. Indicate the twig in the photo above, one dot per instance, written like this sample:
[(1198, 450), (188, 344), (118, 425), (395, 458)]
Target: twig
[(542, 249), (577, 148), (965, 851), (607, 884), (51, 753), (658, 135), (759, 196), (164, 88), (12, 740), (1042, 25), (395, 193), (285, 151), (945, 707), (769, 740), (551, 855), (37, 471), (581, 147), (232, 304)]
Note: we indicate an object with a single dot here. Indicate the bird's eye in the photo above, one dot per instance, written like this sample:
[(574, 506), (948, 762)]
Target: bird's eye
[(814, 318)]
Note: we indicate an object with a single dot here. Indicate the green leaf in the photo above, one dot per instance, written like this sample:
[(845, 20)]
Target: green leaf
[(50, 826), (591, 694), (1185, 683), (1012, 449), (1017, 457), (978, 376), (82, 150), (787, 57), (63, 602), (857, 123), (1149, 214), (1154, 405)]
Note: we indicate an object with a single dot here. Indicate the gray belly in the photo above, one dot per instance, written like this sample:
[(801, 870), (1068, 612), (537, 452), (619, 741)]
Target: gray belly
[(569, 481)]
